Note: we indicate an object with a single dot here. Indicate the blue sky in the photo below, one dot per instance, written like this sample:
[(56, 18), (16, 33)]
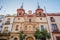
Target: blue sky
[(10, 6)]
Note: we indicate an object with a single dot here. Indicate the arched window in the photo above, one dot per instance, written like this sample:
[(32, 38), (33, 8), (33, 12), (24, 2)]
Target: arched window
[(20, 13), (17, 27), (42, 27), (29, 20), (40, 13), (52, 19), (15, 38), (54, 27)]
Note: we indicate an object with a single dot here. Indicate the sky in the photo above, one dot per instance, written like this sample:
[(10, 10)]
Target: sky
[(10, 6)]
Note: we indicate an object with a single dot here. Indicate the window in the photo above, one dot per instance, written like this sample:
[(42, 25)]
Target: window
[(11, 36), (8, 19), (40, 13), (54, 27), (15, 38), (6, 28), (7, 23), (40, 18), (52, 19), (20, 13), (42, 27), (29, 20), (17, 27)]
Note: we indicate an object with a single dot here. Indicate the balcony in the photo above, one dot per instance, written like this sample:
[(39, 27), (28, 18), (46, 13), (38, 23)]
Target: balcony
[(56, 31), (7, 23), (4, 34)]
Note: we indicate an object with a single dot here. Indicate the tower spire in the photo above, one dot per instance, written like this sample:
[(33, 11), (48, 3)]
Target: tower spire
[(22, 6), (38, 5)]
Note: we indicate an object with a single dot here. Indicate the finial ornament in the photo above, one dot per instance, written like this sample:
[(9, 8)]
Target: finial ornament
[(38, 5), (22, 6)]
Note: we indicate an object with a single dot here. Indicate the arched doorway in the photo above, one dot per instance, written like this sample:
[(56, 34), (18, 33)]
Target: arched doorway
[(15, 38), (29, 38)]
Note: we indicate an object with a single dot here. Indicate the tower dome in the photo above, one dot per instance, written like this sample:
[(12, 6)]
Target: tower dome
[(20, 11)]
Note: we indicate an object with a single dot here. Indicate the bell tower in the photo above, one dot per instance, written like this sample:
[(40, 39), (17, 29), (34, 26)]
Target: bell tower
[(39, 10), (20, 11)]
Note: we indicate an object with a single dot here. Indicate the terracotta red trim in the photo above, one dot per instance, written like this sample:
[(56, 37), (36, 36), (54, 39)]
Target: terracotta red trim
[(58, 32), (39, 9), (58, 14), (20, 9)]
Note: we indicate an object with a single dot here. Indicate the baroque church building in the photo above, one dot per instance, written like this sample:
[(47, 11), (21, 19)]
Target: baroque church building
[(28, 23)]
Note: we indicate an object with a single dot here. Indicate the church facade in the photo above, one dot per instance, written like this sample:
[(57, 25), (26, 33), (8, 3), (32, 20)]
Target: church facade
[(29, 22)]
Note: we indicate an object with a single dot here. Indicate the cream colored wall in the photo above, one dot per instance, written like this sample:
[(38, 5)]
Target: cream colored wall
[(32, 19), (38, 19), (38, 24), (21, 19), (42, 22), (29, 26)]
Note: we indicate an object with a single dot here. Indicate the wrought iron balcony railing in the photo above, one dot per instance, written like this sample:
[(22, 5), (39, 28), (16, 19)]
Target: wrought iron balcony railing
[(5, 34)]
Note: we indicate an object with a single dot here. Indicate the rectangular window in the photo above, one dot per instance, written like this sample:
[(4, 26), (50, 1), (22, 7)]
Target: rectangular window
[(54, 27), (17, 27), (29, 20), (8, 21), (42, 27), (40, 13), (20, 13), (25, 27), (52, 19)]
